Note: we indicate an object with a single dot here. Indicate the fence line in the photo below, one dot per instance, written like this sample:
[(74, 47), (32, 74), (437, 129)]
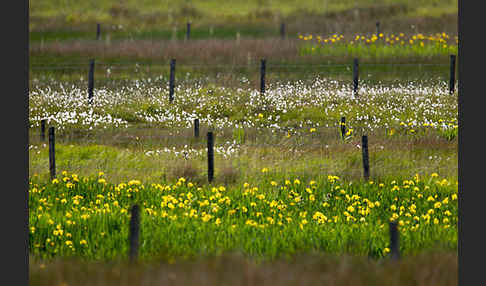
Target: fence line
[(254, 64)]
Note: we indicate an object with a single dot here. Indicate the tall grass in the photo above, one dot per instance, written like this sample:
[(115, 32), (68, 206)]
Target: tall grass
[(158, 156), (134, 130)]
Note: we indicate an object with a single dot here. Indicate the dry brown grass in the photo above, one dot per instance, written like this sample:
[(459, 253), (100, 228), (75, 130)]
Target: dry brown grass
[(246, 51), (187, 170), (423, 269), (227, 174)]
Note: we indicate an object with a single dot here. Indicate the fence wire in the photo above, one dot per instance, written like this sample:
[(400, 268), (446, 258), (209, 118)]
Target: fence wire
[(83, 66)]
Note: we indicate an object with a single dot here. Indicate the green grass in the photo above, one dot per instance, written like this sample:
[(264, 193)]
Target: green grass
[(389, 47), (70, 69), (105, 10), (197, 32), (260, 220), (56, 20), (380, 52), (124, 158)]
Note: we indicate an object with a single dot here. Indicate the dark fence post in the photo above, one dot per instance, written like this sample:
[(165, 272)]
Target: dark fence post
[(52, 152), (262, 76), (98, 31), (282, 31), (355, 76), (394, 241), (452, 78), (366, 163), (210, 157), (196, 128), (171, 79), (188, 31), (343, 127), (91, 80), (134, 232), (43, 130), (378, 29)]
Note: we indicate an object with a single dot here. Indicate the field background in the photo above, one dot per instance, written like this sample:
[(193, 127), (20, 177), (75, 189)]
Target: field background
[(65, 23), (138, 39), (261, 18), (228, 39)]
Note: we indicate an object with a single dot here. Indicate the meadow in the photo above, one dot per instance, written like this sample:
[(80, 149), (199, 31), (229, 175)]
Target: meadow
[(276, 217), (295, 126), (286, 179), (288, 194)]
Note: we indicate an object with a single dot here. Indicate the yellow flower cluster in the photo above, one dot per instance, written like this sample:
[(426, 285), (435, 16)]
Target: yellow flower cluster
[(419, 39), (292, 202)]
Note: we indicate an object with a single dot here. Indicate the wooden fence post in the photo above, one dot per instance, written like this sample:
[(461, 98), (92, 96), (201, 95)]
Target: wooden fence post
[(172, 79), (43, 130), (452, 76), (262, 76), (210, 157), (196, 128), (355, 76), (282, 31), (394, 241), (134, 232), (366, 163), (343, 127), (91, 80), (188, 31), (52, 152), (98, 31), (378, 28)]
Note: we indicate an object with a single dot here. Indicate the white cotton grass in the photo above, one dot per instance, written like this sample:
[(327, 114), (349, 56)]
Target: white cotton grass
[(381, 105), (227, 150)]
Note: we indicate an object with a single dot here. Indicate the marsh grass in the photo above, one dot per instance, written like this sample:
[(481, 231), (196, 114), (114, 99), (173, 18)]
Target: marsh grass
[(122, 156), (135, 44), (149, 150)]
